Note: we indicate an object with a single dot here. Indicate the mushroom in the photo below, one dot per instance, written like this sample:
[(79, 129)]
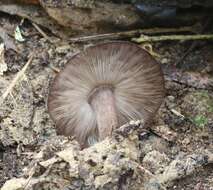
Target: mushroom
[(104, 87)]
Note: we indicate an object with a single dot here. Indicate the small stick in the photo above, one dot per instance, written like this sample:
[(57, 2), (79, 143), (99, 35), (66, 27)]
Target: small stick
[(57, 70), (194, 44), (177, 113), (129, 34), (42, 32), (16, 79), (144, 38), (31, 173)]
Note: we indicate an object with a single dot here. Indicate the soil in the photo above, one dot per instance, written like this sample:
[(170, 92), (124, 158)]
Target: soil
[(25, 124)]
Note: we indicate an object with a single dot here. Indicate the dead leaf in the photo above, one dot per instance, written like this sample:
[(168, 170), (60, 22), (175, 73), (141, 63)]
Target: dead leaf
[(18, 34)]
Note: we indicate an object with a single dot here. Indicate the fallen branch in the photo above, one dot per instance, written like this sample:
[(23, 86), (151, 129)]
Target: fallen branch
[(131, 33), (16, 80), (144, 38)]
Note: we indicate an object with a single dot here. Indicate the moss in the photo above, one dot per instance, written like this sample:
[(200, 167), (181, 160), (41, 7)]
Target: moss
[(204, 95), (200, 121)]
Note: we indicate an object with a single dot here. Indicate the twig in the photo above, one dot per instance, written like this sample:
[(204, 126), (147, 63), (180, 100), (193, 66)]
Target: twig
[(144, 38), (16, 80), (177, 113), (31, 173), (54, 68), (129, 34), (191, 79), (194, 44), (43, 33)]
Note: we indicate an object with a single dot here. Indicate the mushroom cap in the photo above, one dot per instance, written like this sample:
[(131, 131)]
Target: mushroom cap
[(132, 74)]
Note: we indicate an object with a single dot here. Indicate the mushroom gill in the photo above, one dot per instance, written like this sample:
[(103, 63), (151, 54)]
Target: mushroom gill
[(104, 87)]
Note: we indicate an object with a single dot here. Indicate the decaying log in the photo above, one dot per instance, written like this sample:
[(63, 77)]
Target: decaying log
[(96, 17)]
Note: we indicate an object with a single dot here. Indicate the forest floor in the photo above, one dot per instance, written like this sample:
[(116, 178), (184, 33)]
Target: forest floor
[(25, 124)]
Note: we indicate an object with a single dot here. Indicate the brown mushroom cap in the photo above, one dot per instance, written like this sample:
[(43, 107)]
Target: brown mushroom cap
[(120, 70)]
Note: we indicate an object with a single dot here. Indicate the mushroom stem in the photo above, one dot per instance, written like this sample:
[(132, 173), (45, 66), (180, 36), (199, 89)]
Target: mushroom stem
[(103, 104)]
